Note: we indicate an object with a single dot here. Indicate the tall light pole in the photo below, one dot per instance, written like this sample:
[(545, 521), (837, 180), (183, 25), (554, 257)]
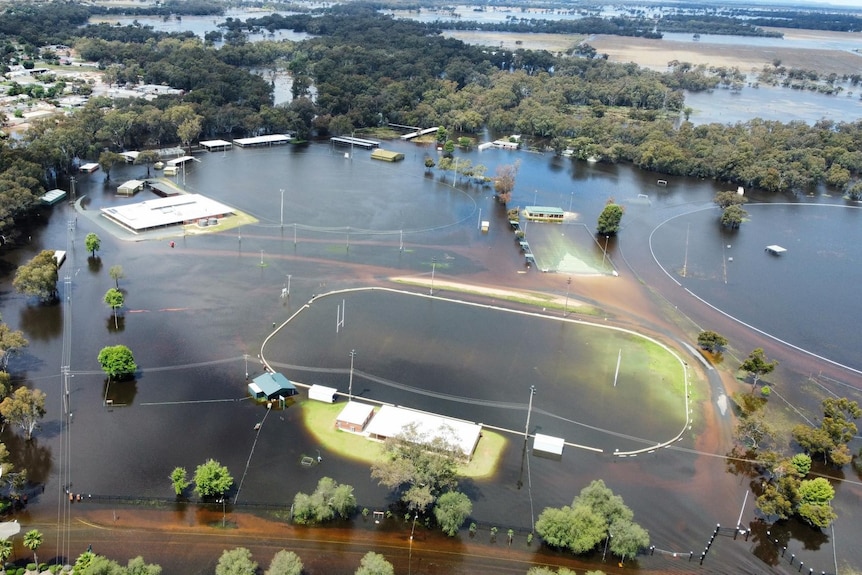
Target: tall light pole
[(410, 553), (350, 384), (433, 269), (288, 284), (529, 411), (568, 285), (245, 355), (282, 207)]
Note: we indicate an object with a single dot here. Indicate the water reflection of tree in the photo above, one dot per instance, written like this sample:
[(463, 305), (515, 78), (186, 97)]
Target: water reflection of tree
[(770, 540), (120, 392), (42, 322), (116, 325), (94, 264), (29, 455)]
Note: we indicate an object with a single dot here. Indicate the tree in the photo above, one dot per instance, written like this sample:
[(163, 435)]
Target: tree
[(93, 243), (733, 216), (10, 342), (726, 199), (610, 218), (147, 157), (236, 562), (375, 564), (328, 501), (212, 479), (815, 497), (628, 539), (421, 467), (711, 341), (24, 408), (448, 148), (107, 160), (429, 163), (802, 463), (285, 563), (38, 277), (114, 300), (753, 429), (117, 362), (32, 541), (138, 566), (504, 181), (179, 480), (5, 551), (451, 511), (577, 528), (757, 366), (116, 273)]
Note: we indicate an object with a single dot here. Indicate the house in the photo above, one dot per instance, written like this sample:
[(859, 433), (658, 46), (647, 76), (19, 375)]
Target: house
[(543, 214), (386, 155), (271, 386), (354, 417), (130, 188)]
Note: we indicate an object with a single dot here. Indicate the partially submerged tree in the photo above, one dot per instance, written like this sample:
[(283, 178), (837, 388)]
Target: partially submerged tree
[(609, 220), (212, 479), (24, 408), (236, 562), (117, 362), (107, 160), (711, 341), (451, 510), (375, 564), (285, 563), (93, 242), (757, 366), (148, 157), (726, 199), (329, 500), (114, 299), (10, 342), (179, 480), (504, 181), (116, 273), (38, 277), (733, 216)]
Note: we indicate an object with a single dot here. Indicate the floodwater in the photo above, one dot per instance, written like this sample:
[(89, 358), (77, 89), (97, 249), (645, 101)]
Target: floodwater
[(196, 313)]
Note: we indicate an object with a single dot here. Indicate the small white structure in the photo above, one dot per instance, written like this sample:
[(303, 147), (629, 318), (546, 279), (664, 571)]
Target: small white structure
[(322, 393), (89, 168), (548, 444), (52, 197), (130, 188), (486, 225), (775, 250)]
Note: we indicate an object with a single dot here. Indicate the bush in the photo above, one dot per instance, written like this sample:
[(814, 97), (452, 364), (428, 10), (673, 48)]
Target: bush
[(765, 391)]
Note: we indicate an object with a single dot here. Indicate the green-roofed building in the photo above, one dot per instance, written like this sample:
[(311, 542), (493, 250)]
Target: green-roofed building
[(271, 386)]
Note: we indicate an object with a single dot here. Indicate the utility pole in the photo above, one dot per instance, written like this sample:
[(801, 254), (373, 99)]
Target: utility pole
[(568, 285), (282, 207), (433, 269), (529, 411), (350, 384)]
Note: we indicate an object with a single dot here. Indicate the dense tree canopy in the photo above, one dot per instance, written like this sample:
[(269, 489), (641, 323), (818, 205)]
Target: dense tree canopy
[(329, 500), (212, 479), (38, 277), (117, 361)]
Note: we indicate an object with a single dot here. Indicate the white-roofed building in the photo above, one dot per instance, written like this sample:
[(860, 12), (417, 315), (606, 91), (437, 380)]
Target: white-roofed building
[(354, 417), (392, 421), (163, 212), (130, 188)]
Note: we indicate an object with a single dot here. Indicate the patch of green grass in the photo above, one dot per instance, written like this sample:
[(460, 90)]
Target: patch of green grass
[(319, 419)]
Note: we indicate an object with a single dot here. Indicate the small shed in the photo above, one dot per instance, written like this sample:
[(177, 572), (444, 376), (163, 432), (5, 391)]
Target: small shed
[(386, 155), (52, 197), (270, 386), (322, 393), (354, 417), (130, 188), (89, 167), (486, 225), (548, 444), (775, 250)]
